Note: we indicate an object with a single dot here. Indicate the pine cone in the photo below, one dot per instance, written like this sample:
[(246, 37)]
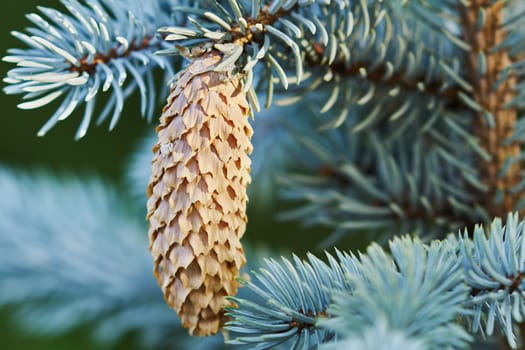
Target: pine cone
[(197, 193)]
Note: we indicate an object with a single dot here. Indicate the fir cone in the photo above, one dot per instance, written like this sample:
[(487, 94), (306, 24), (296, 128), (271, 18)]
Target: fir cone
[(197, 193)]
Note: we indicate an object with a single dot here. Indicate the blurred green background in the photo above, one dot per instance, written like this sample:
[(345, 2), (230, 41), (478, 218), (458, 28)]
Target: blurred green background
[(102, 153)]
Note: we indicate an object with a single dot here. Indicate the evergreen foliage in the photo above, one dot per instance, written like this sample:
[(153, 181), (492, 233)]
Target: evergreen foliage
[(492, 267), (91, 49), (64, 264), (51, 228), (386, 118)]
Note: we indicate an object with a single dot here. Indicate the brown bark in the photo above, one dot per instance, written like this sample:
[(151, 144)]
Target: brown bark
[(493, 137)]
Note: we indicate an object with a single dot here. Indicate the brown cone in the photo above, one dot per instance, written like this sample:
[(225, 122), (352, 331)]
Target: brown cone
[(197, 193)]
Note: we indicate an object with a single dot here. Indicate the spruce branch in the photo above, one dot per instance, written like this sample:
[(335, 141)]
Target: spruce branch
[(368, 183), (358, 91), (94, 47), (291, 298), (494, 270), (308, 302), (428, 140), (373, 338), (336, 39), (386, 61), (494, 92), (71, 256), (418, 290), (249, 32)]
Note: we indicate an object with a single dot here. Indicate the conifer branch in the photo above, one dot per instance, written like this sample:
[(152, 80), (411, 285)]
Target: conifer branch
[(291, 297), (423, 100), (493, 267), (384, 76), (348, 296), (379, 63), (479, 280), (73, 256), (366, 182), (257, 31), (66, 264), (96, 46), (483, 28)]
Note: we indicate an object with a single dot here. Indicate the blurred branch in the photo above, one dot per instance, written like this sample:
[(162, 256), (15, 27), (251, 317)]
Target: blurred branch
[(71, 256)]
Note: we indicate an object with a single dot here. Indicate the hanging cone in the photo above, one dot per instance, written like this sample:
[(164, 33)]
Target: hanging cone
[(197, 193)]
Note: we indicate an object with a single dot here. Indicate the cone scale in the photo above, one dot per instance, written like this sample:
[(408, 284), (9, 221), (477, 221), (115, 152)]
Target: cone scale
[(197, 193)]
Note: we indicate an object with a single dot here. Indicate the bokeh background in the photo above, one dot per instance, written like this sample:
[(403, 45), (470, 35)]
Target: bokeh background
[(104, 154), (100, 152)]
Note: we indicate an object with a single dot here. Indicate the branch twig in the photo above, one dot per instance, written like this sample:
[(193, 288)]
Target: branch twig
[(492, 98)]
